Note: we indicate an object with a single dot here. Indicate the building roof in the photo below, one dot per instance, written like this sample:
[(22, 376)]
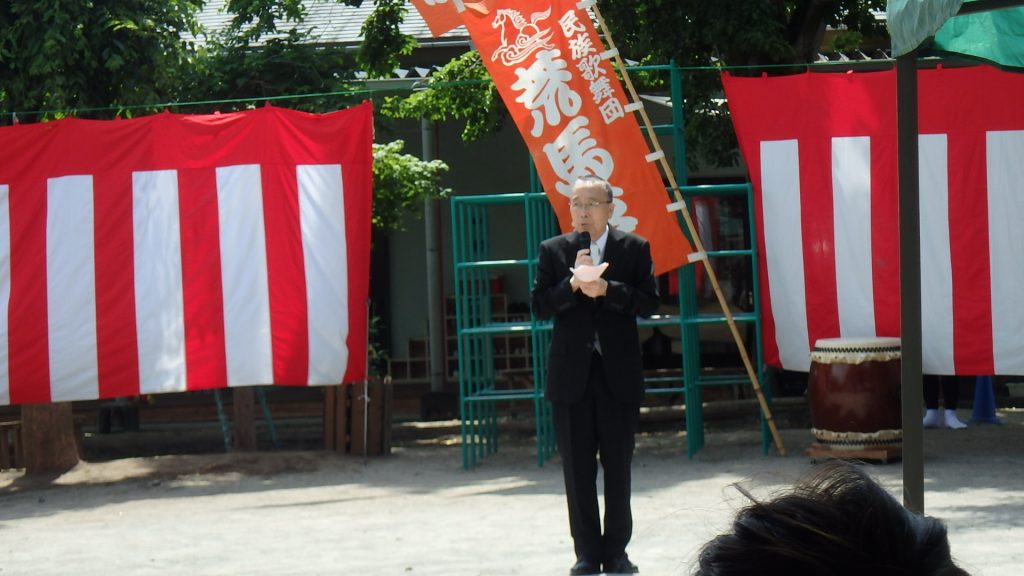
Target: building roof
[(330, 22)]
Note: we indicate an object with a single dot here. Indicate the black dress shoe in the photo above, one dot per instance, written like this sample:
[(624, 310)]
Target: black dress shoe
[(584, 567), (620, 565)]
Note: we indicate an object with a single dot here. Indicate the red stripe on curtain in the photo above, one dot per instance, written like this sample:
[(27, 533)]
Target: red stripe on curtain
[(203, 292), (286, 271), (969, 255), (28, 347), (116, 336)]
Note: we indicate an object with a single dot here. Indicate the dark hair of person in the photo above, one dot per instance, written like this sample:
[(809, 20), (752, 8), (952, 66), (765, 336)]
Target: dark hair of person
[(836, 522), (593, 180)]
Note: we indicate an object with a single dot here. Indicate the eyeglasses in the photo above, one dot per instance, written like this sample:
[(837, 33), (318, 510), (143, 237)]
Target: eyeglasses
[(586, 206)]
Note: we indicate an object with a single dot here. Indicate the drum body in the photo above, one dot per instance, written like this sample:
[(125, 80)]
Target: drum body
[(854, 393)]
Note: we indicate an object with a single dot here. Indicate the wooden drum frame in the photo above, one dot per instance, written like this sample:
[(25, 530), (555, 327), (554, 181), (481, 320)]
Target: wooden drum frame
[(854, 395)]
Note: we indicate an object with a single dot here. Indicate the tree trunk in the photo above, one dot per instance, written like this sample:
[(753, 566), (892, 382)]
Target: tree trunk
[(48, 436), (807, 28)]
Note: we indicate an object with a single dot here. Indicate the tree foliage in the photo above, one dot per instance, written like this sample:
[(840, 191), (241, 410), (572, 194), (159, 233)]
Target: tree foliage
[(383, 42), (83, 54), (253, 19), (265, 52), (402, 182), (461, 90), (284, 65)]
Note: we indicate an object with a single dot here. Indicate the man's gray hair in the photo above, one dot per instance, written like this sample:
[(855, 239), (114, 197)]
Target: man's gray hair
[(592, 180)]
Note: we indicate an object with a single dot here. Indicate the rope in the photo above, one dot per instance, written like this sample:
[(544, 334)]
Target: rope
[(450, 84)]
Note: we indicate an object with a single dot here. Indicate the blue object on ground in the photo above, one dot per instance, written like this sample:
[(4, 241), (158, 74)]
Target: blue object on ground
[(984, 402)]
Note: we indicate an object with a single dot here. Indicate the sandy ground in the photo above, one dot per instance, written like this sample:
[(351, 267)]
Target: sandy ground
[(418, 512)]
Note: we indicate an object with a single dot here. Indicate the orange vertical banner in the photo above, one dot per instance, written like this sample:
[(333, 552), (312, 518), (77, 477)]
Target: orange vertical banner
[(550, 67), (441, 16)]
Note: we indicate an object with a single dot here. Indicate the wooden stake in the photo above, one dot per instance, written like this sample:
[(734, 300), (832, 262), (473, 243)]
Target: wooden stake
[(48, 438), (697, 244)]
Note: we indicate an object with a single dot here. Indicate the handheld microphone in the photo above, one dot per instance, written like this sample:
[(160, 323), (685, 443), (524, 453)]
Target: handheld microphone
[(584, 240)]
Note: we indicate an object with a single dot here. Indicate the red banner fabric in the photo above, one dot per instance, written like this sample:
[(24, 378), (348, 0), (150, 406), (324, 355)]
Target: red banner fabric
[(550, 68), (821, 151), (172, 253)]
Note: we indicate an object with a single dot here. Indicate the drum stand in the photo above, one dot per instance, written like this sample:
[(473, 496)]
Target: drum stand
[(884, 454)]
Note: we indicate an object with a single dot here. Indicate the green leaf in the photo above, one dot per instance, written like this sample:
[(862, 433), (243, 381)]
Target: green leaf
[(401, 183), (383, 42), (461, 90)]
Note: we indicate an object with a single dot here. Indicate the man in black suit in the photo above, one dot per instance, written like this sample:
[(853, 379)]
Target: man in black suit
[(595, 372)]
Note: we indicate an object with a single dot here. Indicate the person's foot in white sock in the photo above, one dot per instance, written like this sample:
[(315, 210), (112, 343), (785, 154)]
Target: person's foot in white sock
[(953, 422), (931, 418)]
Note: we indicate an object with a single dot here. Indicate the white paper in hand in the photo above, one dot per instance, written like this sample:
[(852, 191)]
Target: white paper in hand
[(587, 273)]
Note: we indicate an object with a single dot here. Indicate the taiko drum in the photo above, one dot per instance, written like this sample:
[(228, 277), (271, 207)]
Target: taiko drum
[(854, 393)]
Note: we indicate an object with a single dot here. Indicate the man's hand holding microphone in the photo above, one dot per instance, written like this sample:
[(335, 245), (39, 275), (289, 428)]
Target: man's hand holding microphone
[(594, 288)]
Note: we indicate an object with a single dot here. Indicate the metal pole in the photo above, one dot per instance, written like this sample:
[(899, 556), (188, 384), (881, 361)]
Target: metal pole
[(366, 391), (910, 280), (435, 292)]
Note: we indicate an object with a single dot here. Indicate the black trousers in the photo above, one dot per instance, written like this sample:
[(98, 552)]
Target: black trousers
[(597, 426), (950, 391)]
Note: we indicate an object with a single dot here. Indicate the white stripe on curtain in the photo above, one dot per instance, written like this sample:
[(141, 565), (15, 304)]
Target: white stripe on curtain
[(5, 291), (159, 300), (322, 217), (851, 202), (243, 257), (1005, 174), (936, 262), (71, 289), (780, 197)]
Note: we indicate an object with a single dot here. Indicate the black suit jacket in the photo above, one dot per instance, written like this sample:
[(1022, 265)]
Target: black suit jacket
[(632, 292)]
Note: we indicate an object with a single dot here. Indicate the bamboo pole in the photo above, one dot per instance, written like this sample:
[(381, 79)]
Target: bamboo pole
[(680, 205)]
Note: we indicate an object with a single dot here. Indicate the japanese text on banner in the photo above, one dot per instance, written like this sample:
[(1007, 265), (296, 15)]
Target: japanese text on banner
[(547, 64)]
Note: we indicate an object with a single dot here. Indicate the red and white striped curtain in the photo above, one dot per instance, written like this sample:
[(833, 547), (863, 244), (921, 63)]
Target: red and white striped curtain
[(821, 152), (172, 253)]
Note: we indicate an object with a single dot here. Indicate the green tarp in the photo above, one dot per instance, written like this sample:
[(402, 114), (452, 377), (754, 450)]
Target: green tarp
[(996, 36)]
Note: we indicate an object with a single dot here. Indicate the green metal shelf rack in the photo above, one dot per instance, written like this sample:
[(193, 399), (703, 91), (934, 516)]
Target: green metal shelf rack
[(479, 386)]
